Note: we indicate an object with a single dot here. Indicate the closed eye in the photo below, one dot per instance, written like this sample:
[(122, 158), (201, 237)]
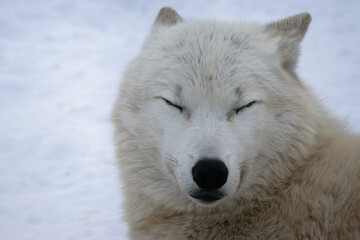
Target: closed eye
[(242, 108), (168, 102)]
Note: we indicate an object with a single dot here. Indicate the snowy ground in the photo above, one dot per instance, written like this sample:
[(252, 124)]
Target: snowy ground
[(60, 65)]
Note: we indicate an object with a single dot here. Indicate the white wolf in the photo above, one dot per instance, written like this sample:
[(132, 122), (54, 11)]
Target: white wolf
[(217, 138)]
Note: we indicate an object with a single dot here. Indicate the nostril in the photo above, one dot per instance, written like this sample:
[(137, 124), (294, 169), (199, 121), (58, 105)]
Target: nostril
[(210, 174)]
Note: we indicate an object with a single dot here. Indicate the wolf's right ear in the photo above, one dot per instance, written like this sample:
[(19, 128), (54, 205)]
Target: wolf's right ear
[(166, 17)]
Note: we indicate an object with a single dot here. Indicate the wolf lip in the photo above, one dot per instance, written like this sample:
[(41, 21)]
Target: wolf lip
[(207, 197)]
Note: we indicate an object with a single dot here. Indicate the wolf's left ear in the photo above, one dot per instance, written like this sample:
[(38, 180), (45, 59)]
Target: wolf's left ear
[(167, 17), (290, 31)]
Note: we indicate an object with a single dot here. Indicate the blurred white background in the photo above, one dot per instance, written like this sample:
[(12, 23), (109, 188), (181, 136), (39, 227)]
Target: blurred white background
[(60, 66)]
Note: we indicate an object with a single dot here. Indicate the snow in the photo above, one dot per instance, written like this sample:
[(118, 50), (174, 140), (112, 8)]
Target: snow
[(60, 66)]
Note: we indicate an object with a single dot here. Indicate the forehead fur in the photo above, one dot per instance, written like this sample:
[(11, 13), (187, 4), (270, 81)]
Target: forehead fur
[(198, 52)]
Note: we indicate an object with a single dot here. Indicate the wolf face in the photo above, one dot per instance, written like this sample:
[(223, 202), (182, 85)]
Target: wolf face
[(209, 109)]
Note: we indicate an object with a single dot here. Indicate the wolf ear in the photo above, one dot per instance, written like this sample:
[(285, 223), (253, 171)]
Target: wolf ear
[(290, 32), (167, 17)]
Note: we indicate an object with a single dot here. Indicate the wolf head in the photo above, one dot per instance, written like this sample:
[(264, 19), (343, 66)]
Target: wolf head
[(213, 112)]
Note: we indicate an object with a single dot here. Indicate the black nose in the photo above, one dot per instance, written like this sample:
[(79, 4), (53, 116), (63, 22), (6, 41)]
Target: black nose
[(210, 174)]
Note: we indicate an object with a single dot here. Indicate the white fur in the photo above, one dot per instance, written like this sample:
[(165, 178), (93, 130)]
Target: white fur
[(211, 68)]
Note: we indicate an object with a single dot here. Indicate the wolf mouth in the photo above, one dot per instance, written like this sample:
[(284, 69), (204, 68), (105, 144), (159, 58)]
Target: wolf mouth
[(208, 196)]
